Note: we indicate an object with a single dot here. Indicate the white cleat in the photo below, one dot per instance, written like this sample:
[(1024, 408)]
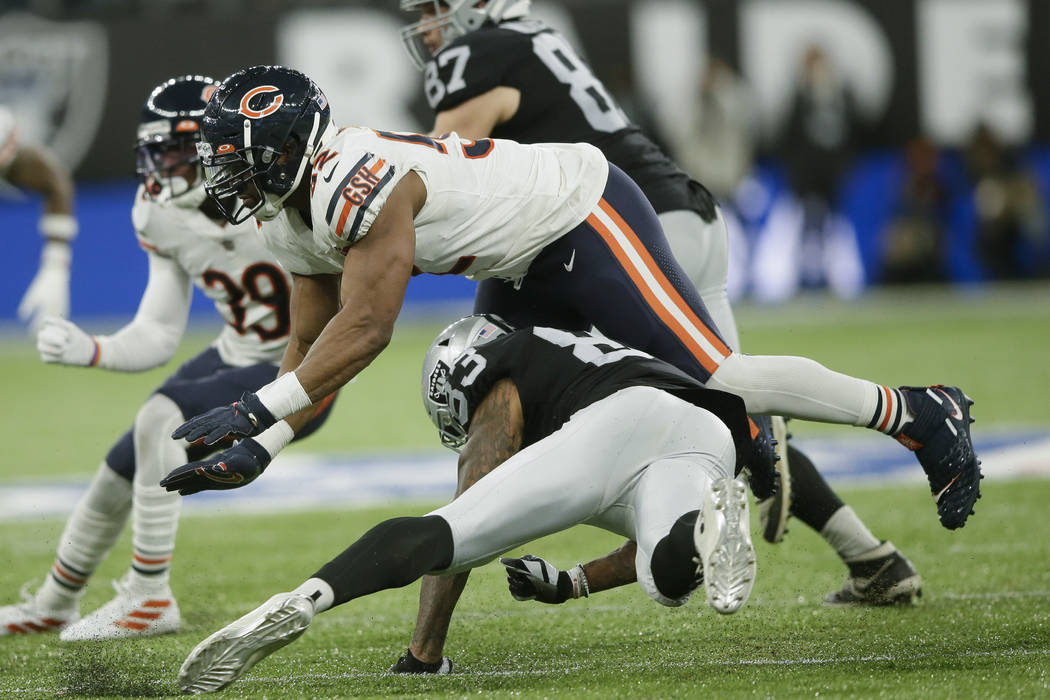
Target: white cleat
[(722, 536), (131, 614), (28, 618), (226, 655)]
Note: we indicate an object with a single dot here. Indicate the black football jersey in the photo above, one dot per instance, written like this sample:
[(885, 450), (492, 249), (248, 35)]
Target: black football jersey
[(557, 373), (561, 102)]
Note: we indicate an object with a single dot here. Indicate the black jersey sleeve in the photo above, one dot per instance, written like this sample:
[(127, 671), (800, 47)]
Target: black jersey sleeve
[(473, 64)]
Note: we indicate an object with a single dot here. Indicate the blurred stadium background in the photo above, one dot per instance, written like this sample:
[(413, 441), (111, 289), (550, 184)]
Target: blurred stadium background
[(901, 233)]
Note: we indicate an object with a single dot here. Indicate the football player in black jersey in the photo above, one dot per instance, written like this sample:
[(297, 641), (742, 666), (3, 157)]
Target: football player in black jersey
[(666, 481), (491, 71)]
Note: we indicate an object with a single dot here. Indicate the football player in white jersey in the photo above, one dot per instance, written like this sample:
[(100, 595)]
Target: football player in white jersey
[(353, 213), (667, 482), (187, 243), (36, 169)]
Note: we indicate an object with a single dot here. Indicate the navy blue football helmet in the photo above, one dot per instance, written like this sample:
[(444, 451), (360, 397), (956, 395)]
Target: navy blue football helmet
[(260, 130), (167, 137)]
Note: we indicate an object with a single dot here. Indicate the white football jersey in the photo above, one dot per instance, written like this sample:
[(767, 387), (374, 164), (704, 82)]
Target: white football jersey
[(8, 139), (491, 207), (232, 267)]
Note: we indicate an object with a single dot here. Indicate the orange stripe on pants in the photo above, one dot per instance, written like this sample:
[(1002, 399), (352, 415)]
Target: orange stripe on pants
[(706, 361)]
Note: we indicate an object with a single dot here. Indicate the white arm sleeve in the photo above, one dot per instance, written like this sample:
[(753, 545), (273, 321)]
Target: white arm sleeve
[(153, 335)]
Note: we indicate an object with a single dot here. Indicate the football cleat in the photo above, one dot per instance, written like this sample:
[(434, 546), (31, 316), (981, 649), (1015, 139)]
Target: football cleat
[(131, 614), (939, 434), (722, 537), (408, 663), (773, 512), (28, 618), (882, 576), (226, 655), (762, 474)]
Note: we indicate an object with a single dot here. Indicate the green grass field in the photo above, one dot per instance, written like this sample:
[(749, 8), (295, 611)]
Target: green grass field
[(982, 629)]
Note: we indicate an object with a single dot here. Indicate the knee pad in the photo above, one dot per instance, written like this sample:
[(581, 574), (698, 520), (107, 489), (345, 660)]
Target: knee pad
[(155, 452)]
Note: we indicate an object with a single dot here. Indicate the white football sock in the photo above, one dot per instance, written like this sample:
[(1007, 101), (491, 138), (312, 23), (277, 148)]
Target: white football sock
[(92, 529), (318, 590), (796, 387), (847, 535), (156, 510)]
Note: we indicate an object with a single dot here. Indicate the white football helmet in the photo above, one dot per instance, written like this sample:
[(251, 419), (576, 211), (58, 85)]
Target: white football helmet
[(441, 356), (453, 18)]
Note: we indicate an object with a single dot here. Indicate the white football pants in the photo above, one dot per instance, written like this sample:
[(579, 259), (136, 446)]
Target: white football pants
[(632, 463)]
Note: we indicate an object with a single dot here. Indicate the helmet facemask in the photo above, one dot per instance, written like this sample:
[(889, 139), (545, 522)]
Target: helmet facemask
[(159, 156), (267, 175)]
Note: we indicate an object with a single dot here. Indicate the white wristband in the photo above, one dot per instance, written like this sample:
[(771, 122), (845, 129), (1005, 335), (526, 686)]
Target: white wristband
[(274, 438), (56, 254), (284, 396), (579, 582), (60, 227)]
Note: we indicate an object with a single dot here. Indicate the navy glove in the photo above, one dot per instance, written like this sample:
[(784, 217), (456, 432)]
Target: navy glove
[(408, 663), (243, 418), (230, 469)]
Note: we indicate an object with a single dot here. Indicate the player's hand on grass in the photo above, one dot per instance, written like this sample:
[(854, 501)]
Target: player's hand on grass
[(243, 418), (230, 469), (532, 578), (63, 342)]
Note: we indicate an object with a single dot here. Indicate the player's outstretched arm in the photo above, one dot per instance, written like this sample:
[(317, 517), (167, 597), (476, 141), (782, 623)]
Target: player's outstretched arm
[(150, 340), (495, 435), (38, 170), (532, 578), (372, 289)]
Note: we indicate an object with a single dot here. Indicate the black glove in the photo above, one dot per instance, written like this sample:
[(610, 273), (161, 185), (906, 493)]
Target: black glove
[(243, 418), (532, 578), (410, 664), (230, 469), (762, 474)]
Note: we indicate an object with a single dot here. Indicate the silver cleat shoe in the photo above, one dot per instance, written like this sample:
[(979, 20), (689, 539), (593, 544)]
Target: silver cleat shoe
[(723, 539), (226, 655)]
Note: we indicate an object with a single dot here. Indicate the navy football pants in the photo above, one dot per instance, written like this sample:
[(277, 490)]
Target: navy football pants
[(200, 384), (614, 271)]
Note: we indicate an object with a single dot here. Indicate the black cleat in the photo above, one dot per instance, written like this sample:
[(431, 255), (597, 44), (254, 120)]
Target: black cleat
[(882, 576), (763, 475), (773, 512), (939, 435)]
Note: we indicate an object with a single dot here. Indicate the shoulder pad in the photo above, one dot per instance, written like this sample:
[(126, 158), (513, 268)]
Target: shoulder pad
[(351, 184), (153, 225)]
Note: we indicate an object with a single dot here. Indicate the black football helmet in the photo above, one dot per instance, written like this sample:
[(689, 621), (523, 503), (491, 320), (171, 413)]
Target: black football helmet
[(260, 130), (167, 137)]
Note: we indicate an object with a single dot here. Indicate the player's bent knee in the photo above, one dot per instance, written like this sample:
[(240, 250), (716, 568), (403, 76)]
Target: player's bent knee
[(156, 415)]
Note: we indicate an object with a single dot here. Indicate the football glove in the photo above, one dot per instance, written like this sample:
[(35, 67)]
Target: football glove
[(243, 418), (408, 663), (63, 342), (48, 293), (230, 469), (532, 578)]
